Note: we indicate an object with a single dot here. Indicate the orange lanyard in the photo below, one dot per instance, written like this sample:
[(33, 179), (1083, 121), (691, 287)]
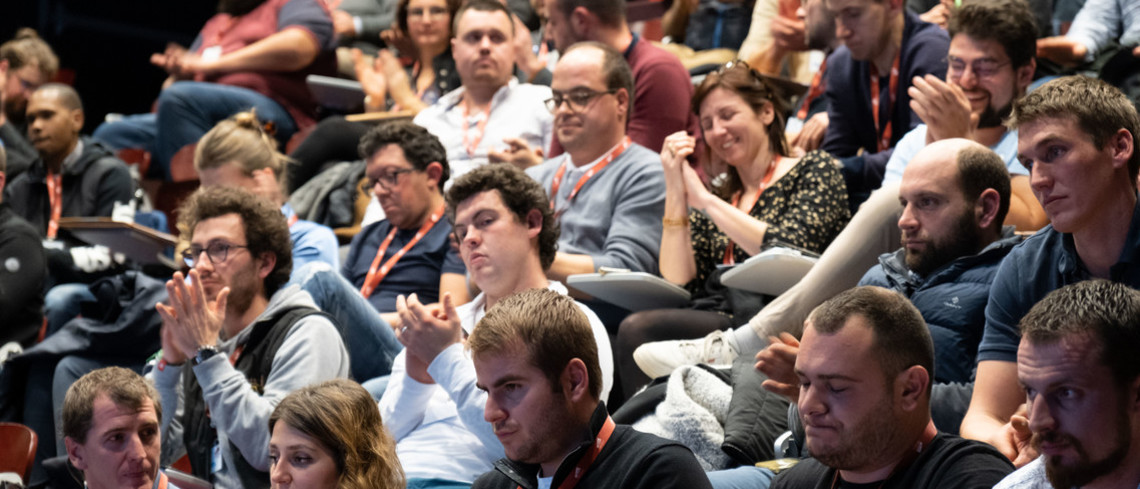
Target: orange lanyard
[(162, 482), (892, 85), (554, 186), (588, 458), (376, 273), (729, 259), (55, 198), (471, 139), (293, 220), (817, 86)]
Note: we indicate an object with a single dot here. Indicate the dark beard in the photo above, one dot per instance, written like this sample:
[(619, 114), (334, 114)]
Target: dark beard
[(994, 117), (964, 242), (238, 8), (1086, 471)]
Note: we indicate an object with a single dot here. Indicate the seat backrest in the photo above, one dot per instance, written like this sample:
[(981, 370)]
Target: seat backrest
[(17, 449)]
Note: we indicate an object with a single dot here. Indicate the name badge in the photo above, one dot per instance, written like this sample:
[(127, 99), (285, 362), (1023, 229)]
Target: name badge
[(212, 53), (216, 462)]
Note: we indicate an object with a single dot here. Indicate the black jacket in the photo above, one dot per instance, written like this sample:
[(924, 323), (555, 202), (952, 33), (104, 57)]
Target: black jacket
[(22, 271), (631, 459)]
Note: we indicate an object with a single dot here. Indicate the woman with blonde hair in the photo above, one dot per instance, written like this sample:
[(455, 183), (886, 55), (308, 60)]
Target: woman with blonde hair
[(329, 435)]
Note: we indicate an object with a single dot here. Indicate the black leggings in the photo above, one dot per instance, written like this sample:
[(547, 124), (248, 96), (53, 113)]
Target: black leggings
[(659, 325), (333, 140)]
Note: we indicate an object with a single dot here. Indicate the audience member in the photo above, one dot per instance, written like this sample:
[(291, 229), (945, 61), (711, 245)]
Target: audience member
[(74, 176), (329, 436), (660, 80), (768, 196), (21, 276), (767, 48), (111, 428), (359, 23), (387, 86), (982, 30), (537, 362), (491, 107), (868, 108), (251, 54), (708, 24), (26, 62), (507, 236), (239, 153), (1099, 24), (606, 190), (410, 251), (954, 195), (1076, 362), (808, 125), (1077, 136), (864, 369), (233, 306)]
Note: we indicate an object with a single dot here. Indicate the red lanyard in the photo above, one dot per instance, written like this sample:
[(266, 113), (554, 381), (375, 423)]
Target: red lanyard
[(293, 220), (55, 199), (588, 458), (729, 259), (818, 84), (893, 85), (471, 141), (163, 482), (554, 186), (376, 273)]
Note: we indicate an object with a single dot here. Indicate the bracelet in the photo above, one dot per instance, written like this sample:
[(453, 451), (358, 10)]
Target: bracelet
[(675, 223)]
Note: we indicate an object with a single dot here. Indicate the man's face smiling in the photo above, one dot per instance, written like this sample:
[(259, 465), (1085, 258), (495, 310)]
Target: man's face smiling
[(985, 73), (482, 48), (1082, 421), (121, 449), (1071, 178), (580, 72)]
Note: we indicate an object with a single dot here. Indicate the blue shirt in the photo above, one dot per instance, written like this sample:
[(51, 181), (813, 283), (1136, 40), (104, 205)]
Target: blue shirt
[(417, 272), (915, 140), (1041, 264), (311, 242)]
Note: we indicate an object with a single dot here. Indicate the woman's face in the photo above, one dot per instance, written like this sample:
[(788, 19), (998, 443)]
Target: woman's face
[(297, 461), (733, 131), (429, 23)]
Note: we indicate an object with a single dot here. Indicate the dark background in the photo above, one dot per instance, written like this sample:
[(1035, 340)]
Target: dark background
[(104, 46)]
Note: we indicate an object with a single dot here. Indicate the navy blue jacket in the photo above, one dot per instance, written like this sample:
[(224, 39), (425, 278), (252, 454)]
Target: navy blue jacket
[(952, 300)]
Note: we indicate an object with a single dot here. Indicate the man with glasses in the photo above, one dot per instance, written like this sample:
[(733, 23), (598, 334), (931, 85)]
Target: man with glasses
[(607, 191), (235, 340), (26, 62)]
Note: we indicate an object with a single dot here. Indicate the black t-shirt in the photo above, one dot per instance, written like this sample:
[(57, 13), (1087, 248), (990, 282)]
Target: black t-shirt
[(949, 462)]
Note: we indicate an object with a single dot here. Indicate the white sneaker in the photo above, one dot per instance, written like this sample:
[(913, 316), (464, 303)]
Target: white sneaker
[(660, 358)]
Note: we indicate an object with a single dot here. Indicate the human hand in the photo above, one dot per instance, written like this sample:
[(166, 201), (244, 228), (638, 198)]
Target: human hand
[(397, 39), (789, 33), (170, 351), (778, 362), (427, 330), (943, 107), (811, 134), (1020, 437), (343, 24), (399, 85), (1062, 50), (674, 152), (1136, 51), (938, 15), (371, 77), (169, 59), (417, 369), (195, 319), (696, 194), (518, 153)]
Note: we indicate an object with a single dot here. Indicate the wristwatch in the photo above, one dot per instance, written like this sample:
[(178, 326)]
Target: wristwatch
[(204, 353)]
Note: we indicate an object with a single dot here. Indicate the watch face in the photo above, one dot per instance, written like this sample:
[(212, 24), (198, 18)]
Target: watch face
[(204, 354)]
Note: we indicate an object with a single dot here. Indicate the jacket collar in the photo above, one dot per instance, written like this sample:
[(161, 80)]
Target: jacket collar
[(526, 475)]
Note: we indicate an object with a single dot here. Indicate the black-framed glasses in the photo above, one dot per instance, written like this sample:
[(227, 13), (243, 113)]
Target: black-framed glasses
[(433, 12), (579, 100), (387, 180), (982, 68), (217, 252)]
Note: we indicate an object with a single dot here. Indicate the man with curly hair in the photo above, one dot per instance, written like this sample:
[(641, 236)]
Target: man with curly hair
[(249, 340)]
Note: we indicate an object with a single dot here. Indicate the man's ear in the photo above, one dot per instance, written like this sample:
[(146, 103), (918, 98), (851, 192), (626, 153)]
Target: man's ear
[(582, 22), (1025, 75), (76, 453), (76, 117), (911, 386), (534, 223), (986, 208), (1122, 148), (268, 262), (575, 380), (623, 103), (434, 172)]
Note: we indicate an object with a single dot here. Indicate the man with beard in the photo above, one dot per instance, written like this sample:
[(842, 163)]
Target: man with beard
[(864, 398), (26, 62), (253, 53), (249, 340), (536, 359), (1077, 365), (1078, 137)]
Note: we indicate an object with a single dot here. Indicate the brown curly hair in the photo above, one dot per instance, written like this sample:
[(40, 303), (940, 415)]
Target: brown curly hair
[(340, 415), (265, 228)]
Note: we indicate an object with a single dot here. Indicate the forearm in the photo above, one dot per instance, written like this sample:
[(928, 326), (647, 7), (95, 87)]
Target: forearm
[(996, 397), (404, 401), (746, 231), (676, 261), (567, 264), (289, 50), (456, 375), (1025, 212)]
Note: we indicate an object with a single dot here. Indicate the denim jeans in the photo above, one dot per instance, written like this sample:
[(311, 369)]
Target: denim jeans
[(743, 477), (186, 111), (63, 303), (371, 343)]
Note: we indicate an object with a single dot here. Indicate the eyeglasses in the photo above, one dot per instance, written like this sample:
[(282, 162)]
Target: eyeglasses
[(982, 68), (217, 252), (579, 100), (387, 180), (432, 12)]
